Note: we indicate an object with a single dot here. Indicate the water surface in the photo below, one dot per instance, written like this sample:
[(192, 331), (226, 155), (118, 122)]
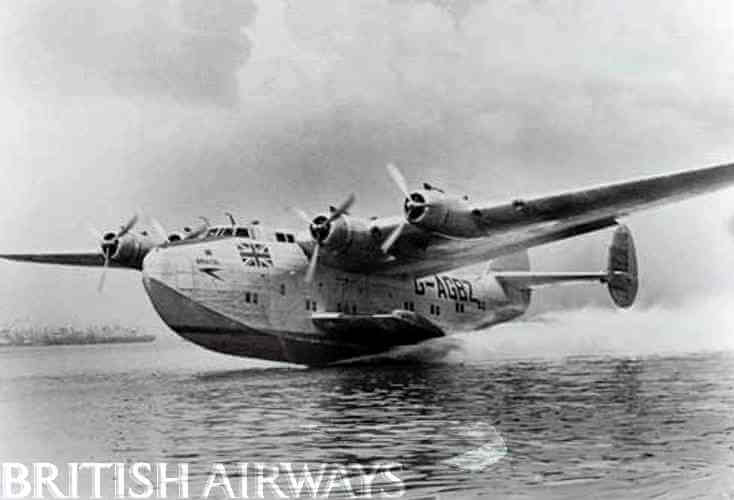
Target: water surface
[(609, 426)]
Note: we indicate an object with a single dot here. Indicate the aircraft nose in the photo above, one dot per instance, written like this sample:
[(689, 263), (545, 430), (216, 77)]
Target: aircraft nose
[(153, 264), (158, 265), (169, 267)]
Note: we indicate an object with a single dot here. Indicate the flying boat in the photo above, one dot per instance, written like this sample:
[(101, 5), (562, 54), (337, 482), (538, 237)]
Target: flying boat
[(344, 287)]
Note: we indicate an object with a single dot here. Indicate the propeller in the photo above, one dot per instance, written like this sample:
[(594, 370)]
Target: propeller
[(100, 284), (159, 230), (163, 235), (320, 227), (398, 178), (109, 243), (311, 271), (199, 230), (393, 237), (414, 206)]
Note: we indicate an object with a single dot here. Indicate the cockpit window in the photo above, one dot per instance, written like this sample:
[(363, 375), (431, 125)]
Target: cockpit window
[(280, 237), (290, 238), (242, 232), (212, 232), (226, 232)]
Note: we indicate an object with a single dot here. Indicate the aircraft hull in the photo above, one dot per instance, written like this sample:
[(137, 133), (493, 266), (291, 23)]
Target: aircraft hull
[(206, 293), (212, 330)]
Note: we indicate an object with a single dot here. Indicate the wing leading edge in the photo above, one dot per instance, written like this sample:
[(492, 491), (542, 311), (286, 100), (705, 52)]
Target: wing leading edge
[(89, 259), (506, 228)]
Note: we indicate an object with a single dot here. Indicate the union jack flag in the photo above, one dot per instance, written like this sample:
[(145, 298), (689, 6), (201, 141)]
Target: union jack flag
[(255, 254)]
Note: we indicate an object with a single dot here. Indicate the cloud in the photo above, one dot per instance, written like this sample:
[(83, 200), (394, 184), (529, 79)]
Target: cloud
[(189, 50)]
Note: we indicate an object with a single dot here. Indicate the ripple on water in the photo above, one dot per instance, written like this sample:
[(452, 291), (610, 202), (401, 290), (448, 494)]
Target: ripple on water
[(620, 426)]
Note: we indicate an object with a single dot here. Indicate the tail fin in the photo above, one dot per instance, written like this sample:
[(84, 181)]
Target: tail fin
[(516, 262), (620, 276), (519, 261), (622, 279)]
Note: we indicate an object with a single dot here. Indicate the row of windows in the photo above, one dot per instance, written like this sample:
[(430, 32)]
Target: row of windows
[(240, 232), (243, 232), (345, 308), (285, 237), (460, 307), (311, 305)]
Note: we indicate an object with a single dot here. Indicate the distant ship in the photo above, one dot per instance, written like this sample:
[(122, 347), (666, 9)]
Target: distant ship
[(67, 335)]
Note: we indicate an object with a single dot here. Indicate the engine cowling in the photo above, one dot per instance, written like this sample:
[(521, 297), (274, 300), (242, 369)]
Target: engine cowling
[(349, 239), (128, 250), (433, 211)]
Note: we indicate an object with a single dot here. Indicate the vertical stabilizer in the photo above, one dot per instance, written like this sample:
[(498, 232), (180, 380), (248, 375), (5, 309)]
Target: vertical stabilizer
[(622, 280), (520, 261)]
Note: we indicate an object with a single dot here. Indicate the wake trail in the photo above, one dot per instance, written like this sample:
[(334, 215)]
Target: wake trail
[(698, 326)]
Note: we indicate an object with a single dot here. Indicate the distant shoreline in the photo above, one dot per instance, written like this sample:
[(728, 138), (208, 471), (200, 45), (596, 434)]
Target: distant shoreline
[(80, 341)]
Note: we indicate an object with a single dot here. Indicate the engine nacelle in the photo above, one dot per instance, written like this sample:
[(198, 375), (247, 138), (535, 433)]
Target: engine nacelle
[(352, 239), (173, 237), (433, 211), (130, 250)]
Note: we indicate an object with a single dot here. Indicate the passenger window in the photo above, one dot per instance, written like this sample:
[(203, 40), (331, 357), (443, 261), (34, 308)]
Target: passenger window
[(282, 289), (254, 298), (280, 237), (247, 297), (242, 232)]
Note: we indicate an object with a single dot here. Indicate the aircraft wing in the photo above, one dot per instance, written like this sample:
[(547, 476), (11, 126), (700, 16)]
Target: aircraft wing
[(90, 259), (519, 224)]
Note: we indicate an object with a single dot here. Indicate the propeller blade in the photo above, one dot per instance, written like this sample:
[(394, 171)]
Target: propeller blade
[(398, 178), (342, 209), (94, 232), (301, 215), (127, 226), (102, 277), (195, 233), (392, 238), (311, 272), (159, 230)]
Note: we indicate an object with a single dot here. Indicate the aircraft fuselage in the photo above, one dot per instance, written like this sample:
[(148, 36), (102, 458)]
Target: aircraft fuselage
[(248, 297)]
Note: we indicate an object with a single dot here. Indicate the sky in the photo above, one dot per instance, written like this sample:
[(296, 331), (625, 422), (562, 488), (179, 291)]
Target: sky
[(181, 108)]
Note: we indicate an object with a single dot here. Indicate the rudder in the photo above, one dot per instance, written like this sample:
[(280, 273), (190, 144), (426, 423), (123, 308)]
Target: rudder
[(623, 281)]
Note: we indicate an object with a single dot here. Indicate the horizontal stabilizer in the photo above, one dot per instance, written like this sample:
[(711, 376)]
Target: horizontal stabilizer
[(529, 279), (620, 277)]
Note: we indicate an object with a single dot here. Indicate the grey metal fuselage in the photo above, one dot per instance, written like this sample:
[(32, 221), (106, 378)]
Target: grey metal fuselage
[(248, 297)]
